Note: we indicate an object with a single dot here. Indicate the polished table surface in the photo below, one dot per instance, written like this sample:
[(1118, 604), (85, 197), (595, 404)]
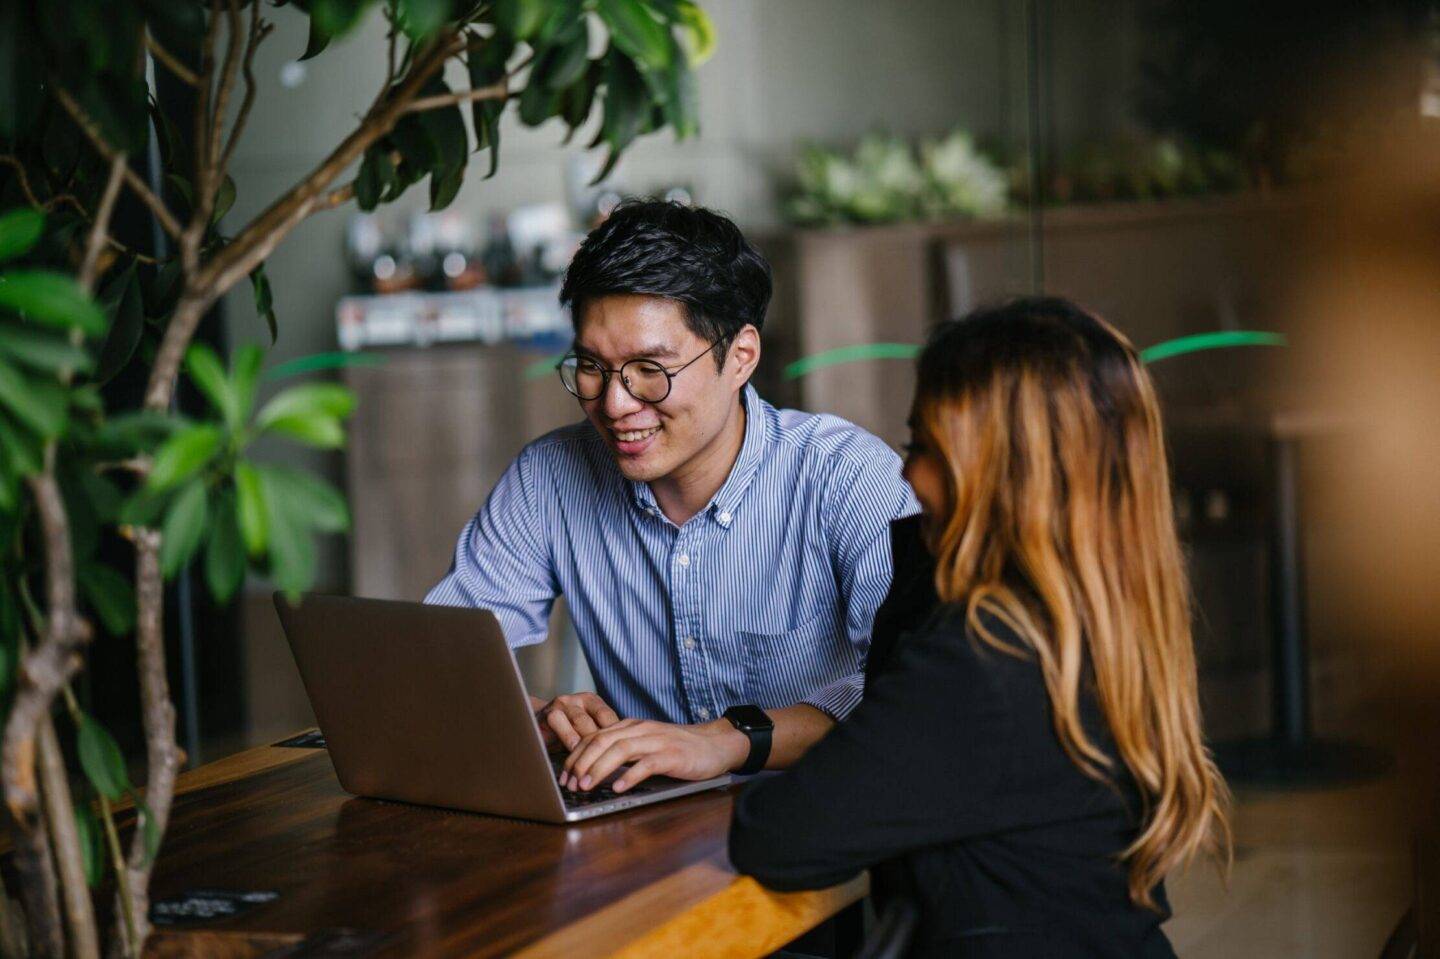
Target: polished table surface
[(394, 879)]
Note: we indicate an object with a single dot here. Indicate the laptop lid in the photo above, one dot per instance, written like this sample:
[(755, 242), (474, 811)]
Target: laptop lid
[(423, 704)]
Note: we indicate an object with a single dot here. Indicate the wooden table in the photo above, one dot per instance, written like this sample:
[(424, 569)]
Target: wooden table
[(413, 880)]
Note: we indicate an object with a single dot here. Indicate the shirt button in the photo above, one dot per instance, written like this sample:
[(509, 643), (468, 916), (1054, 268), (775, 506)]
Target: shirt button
[(689, 642), (703, 713), (683, 559), (725, 519)]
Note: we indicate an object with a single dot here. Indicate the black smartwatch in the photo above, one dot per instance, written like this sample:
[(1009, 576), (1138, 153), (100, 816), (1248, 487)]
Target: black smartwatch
[(757, 727)]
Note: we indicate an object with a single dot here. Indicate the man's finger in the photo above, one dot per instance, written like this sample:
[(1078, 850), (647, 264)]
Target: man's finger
[(581, 721), (560, 723), (590, 747), (639, 771), (622, 752), (604, 715)]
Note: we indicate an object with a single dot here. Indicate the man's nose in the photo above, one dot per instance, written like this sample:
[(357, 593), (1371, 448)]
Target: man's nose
[(617, 401)]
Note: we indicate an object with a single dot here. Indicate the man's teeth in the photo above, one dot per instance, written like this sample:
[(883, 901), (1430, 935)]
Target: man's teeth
[(634, 436)]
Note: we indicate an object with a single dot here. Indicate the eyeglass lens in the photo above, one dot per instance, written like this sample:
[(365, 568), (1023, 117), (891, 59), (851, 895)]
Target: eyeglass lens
[(646, 381)]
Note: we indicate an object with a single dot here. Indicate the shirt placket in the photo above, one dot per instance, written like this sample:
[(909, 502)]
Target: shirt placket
[(685, 596)]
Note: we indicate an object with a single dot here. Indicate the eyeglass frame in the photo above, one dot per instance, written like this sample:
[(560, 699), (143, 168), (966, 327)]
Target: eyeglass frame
[(605, 373)]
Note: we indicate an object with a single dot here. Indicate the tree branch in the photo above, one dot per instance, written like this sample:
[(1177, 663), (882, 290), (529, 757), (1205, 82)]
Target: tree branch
[(170, 60), (260, 236), (46, 205), (495, 91), (60, 813), (259, 30), (100, 226), (132, 180), (162, 756), (42, 672)]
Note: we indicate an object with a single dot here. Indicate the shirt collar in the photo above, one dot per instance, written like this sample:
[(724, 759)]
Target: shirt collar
[(726, 502)]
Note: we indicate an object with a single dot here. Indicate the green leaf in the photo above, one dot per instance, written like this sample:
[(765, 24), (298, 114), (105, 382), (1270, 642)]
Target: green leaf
[(125, 328), (565, 62), (520, 18), (138, 432), (224, 200), (41, 350), (149, 828), (245, 374), (312, 429), (697, 32), (92, 845), (183, 455), (538, 103), (145, 508), (487, 60), (250, 509), (39, 405), (421, 18), (109, 593), (207, 373), (444, 185), (19, 230), (225, 552), (292, 553), (376, 175), (101, 759), (318, 41), (636, 32), (331, 360), (183, 528), (627, 106), (104, 496), (21, 449), (264, 300), (675, 88), (312, 501), (51, 298), (165, 289), (337, 17), (307, 399)]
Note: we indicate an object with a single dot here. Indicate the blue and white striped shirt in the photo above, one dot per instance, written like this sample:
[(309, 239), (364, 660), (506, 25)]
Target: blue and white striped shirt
[(766, 596)]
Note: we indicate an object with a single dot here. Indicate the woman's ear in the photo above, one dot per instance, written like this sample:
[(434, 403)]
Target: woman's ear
[(745, 353)]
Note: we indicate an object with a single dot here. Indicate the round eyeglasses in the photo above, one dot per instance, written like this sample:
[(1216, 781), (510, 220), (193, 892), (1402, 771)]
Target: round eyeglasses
[(646, 380)]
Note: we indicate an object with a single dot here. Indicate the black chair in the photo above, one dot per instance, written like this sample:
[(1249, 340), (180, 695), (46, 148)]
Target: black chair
[(892, 933)]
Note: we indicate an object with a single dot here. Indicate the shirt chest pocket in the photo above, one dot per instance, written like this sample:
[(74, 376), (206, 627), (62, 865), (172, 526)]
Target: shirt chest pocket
[(783, 668)]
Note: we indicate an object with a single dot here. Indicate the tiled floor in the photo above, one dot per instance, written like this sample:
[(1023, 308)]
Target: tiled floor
[(1317, 874)]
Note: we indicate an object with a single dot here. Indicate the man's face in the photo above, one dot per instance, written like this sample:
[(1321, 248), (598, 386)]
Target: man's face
[(652, 441)]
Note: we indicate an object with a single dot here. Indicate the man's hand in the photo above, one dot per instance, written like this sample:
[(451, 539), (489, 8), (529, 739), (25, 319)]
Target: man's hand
[(654, 748), (569, 718)]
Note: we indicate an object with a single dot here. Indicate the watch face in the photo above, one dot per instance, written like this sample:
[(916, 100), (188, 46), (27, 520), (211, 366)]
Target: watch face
[(749, 717)]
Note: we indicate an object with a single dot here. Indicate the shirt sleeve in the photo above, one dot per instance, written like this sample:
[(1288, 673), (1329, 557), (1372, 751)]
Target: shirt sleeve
[(502, 562), (861, 502), (920, 762)]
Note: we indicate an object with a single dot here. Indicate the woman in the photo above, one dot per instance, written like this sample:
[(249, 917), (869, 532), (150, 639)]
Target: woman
[(1027, 764)]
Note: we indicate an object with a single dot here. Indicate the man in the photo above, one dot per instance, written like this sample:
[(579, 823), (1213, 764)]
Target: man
[(717, 554)]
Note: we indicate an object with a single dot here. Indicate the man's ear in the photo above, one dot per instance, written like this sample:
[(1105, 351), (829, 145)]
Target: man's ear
[(744, 354)]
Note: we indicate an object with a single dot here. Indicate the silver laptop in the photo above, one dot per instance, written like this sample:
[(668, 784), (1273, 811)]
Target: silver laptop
[(425, 704)]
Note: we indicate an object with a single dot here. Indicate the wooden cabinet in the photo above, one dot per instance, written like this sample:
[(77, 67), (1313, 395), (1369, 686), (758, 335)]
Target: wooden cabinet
[(434, 429)]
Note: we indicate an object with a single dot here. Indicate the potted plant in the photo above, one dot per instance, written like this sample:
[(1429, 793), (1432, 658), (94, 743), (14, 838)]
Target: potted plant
[(77, 306)]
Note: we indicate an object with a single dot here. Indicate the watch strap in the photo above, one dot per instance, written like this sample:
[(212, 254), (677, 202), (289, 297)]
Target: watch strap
[(759, 750)]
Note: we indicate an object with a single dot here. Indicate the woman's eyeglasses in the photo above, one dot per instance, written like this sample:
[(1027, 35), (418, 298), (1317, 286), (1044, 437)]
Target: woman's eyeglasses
[(646, 380)]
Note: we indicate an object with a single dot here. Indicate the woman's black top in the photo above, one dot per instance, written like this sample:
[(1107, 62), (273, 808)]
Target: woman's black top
[(950, 784)]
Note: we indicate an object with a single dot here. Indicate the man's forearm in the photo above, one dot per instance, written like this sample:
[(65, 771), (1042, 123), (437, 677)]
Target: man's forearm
[(797, 728)]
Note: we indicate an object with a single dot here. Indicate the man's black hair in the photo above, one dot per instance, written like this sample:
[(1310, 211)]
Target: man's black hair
[(688, 254)]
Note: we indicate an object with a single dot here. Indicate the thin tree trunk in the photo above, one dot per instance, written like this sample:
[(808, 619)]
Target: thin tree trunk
[(163, 756), (60, 812), (41, 673)]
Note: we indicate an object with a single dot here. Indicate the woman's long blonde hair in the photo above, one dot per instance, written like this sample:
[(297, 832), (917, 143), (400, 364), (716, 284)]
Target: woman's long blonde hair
[(1060, 524)]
